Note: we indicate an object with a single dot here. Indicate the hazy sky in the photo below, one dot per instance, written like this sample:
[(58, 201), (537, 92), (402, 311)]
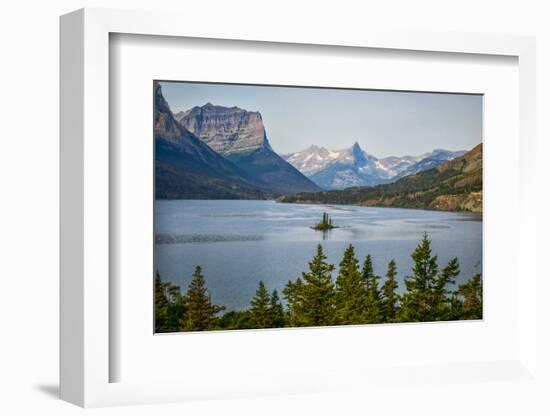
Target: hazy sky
[(383, 123)]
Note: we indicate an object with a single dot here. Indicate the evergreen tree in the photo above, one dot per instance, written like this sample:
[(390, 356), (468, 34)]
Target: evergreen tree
[(350, 294), (201, 313), (176, 306), (455, 309), (390, 297), (292, 293), (317, 292), (259, 308), (441, 308), (161, 305), (367, 273), (373, 312), (472, 293), (418, 299), (325, 224), (276, 311), (235, 320)]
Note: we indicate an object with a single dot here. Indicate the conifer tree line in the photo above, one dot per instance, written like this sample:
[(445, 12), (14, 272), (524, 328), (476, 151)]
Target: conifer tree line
[(356, 296)]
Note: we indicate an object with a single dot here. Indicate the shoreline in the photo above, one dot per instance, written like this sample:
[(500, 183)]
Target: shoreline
[(480, 213), (276, 200)]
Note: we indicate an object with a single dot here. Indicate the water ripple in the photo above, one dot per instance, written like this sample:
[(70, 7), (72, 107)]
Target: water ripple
[(204, 238)]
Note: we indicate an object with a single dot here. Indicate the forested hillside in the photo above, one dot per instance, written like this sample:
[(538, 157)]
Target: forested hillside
[(455, 185)]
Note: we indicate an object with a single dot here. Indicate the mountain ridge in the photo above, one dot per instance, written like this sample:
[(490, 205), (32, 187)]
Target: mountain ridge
[(240, 136), (186, 168), (455, 185), (343, 168)]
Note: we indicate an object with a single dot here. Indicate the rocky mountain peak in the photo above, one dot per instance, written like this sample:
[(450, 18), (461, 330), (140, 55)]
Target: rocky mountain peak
[(352, 166), (359, 156), (227, 130)]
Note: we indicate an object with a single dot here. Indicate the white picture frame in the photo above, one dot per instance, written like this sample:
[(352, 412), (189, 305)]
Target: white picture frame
[(85, 206)]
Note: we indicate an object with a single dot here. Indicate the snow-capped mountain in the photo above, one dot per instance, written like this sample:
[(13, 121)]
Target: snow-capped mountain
[(429, 161), (338, 169)]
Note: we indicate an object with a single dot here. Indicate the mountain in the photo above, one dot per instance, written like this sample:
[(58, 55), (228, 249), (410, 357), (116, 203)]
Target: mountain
[(428, 161), (240, 137), (187, 168), (455, 185), (335, 169), (339, 169), (227, 130)]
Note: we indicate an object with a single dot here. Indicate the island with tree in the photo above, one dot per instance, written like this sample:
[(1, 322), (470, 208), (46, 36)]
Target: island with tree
[(325, 224)]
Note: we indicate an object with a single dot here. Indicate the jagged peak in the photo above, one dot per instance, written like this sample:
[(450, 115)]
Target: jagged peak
[(358, 154), (314, 147)]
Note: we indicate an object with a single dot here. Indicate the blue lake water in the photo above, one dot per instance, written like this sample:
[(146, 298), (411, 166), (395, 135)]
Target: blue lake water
[(238, 243)]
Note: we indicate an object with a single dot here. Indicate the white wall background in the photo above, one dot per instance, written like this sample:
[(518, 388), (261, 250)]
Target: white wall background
[(29, 182)]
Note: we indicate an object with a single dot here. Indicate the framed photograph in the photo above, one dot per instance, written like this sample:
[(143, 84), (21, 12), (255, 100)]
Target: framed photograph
[(330, 234), (272, 214)]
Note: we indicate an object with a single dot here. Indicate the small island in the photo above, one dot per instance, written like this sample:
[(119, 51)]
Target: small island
[(325, 224)]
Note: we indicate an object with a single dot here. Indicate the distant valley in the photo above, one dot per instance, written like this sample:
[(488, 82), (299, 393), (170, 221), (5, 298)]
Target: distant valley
[(455, 185)]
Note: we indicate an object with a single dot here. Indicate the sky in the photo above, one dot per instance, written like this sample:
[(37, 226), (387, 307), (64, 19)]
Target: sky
[(384, 123)]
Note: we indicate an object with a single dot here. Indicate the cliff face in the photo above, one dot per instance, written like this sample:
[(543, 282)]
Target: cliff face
[(240, 136), (186, 168), (226, 130)]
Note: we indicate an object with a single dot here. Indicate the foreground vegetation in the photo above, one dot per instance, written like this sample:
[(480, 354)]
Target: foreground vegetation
[(315, 299)]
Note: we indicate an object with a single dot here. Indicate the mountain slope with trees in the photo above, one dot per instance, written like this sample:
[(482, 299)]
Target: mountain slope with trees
[(455, 185)]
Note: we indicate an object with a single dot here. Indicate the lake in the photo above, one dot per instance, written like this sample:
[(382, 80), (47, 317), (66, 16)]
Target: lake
[(238, 242)]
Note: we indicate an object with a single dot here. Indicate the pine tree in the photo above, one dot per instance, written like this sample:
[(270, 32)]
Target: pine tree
[(317, 292), (390, 297), (350, 295), (161, 305), (292, 293), (259, 308), (472, 293), (235, 320), (418, 299), (373, 312), (176, 306), (201, 313), (367, 272), (441, 299), (276, 311), (325, 224)]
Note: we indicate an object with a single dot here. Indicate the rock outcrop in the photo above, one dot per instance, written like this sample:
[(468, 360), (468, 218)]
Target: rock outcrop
[(186, 168), (240, 136), (227, 130)]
